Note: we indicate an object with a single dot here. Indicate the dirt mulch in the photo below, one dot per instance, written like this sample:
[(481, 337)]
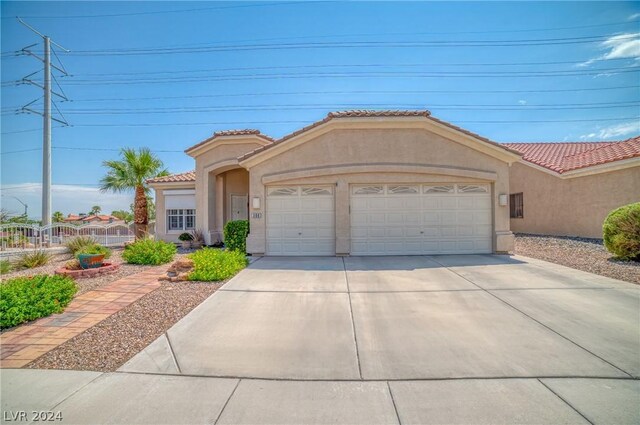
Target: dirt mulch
[(111, 343), (588, 255)]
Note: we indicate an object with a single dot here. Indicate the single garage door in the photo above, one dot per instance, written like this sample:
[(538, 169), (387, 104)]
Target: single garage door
[(300, 220), (418, 219)]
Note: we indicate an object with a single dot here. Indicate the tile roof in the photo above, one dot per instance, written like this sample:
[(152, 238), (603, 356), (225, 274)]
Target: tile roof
[(237, 132), (189, 176), (568, 156), (368, 113), (101, 217)]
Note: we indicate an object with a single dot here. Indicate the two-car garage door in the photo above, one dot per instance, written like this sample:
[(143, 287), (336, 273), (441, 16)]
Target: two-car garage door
[(386, 219)]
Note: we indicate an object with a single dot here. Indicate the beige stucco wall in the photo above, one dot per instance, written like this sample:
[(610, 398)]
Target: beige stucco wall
[(161, 214), (221, 157), (571, 207), (236, 182), (369, 156)]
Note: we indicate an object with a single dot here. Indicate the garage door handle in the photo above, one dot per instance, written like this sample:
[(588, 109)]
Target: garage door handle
[(299, 233), (421, 233)]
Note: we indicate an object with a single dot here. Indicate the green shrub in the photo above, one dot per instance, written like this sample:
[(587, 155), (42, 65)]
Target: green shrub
[(621, 232), (32, 259), (149, 251), (235, 235), (210, 264), (78, 243), (95, 249), (185, 237), (28, 298), (5, 266)]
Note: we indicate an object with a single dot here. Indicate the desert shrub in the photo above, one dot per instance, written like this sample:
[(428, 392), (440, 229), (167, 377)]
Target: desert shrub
[(149, 251), (235, 235), (621, 232), (78, 243), (28, 298), (73, 265), (5, 266), (210, 264), (32, 259), (95, 249), (185, 237)]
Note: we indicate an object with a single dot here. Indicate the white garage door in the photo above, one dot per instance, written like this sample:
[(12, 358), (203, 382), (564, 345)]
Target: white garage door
[(300, 220), (421, 219)]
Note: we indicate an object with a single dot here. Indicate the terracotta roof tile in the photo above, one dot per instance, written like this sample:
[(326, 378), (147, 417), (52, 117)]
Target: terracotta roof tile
[(366, 113), (189, 176), (237, 132), (567, 156)]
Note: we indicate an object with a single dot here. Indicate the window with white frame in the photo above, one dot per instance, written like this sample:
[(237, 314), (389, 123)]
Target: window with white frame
[(181, 219)]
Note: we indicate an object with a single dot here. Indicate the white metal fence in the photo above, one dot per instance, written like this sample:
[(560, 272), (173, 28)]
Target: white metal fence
[(15, 236)]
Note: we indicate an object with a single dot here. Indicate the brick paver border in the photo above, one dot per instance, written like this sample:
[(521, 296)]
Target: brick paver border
[(22, 345)]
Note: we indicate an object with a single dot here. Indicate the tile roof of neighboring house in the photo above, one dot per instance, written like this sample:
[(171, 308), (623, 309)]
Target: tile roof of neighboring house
[(563, 157), (238, 132), (101, 217), (365, 113), (189, 176)]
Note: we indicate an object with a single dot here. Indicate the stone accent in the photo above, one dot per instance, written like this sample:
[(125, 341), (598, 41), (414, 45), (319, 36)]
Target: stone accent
[(179, 270), (106, 268)]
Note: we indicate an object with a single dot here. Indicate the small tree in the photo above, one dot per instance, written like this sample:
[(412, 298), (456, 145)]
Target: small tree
[(131, 172), (95, 210), (57, 217), (123, 215)]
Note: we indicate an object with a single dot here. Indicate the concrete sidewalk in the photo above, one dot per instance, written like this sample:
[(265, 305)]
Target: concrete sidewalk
[(126, 398)]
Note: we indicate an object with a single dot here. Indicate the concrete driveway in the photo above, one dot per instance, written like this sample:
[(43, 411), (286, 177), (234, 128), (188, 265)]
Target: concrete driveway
[(439, 339)]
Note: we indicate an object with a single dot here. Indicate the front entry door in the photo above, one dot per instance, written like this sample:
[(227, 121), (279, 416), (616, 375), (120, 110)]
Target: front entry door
[(239, 207)]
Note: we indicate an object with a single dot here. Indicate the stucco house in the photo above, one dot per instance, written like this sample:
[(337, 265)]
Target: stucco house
[(91, 219), (569, 188), (356, 183)]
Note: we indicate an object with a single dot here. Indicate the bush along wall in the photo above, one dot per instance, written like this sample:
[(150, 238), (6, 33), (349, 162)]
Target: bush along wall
[(621, 232), (235, 235)]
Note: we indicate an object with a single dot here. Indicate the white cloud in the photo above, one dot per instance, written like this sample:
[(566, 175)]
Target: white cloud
[(616, 131), (522, 102), (621, 46), (634, 16), (65, 198)]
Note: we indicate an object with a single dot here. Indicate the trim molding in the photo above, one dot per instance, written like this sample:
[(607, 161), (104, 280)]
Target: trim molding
[(379, 168), (212, 142)]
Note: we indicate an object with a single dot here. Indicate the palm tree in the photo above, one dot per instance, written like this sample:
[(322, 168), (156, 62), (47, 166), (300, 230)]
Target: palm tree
[(57, 217), (132, 173), (95, 210)]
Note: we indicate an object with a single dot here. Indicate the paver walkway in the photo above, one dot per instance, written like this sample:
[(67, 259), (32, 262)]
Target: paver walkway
[(26, 343)]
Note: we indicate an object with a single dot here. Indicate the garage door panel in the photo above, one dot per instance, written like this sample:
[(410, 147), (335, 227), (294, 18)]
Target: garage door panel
[(300, 222), (437, 219)]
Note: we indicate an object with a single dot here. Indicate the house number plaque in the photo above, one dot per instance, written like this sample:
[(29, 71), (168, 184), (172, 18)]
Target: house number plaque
[(256, 215)]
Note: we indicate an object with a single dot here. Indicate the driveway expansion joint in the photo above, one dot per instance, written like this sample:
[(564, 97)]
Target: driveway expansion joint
[(227, 402), (173, 353), (488, 291), (393, 401), (353, 324), (565, 402)]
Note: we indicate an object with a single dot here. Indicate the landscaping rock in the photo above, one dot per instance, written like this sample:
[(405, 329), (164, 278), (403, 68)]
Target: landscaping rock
[(179, 270)]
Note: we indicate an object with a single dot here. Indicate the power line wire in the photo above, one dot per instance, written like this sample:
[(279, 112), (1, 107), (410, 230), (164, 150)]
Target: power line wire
[(113, 15), (350, 44)]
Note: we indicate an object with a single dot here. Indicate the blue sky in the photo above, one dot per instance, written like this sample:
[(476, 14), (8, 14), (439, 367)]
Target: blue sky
[(168, 74)]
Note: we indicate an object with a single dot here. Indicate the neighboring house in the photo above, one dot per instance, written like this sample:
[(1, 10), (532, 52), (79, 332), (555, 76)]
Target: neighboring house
[(91, 219), (569, 188), (356, 183)]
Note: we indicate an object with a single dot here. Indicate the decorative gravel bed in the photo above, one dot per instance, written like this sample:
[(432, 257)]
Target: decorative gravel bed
[(111, 343), (588, 255), (86, 284)]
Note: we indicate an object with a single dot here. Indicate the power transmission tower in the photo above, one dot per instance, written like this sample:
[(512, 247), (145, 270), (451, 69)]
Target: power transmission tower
[(46, 113)]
